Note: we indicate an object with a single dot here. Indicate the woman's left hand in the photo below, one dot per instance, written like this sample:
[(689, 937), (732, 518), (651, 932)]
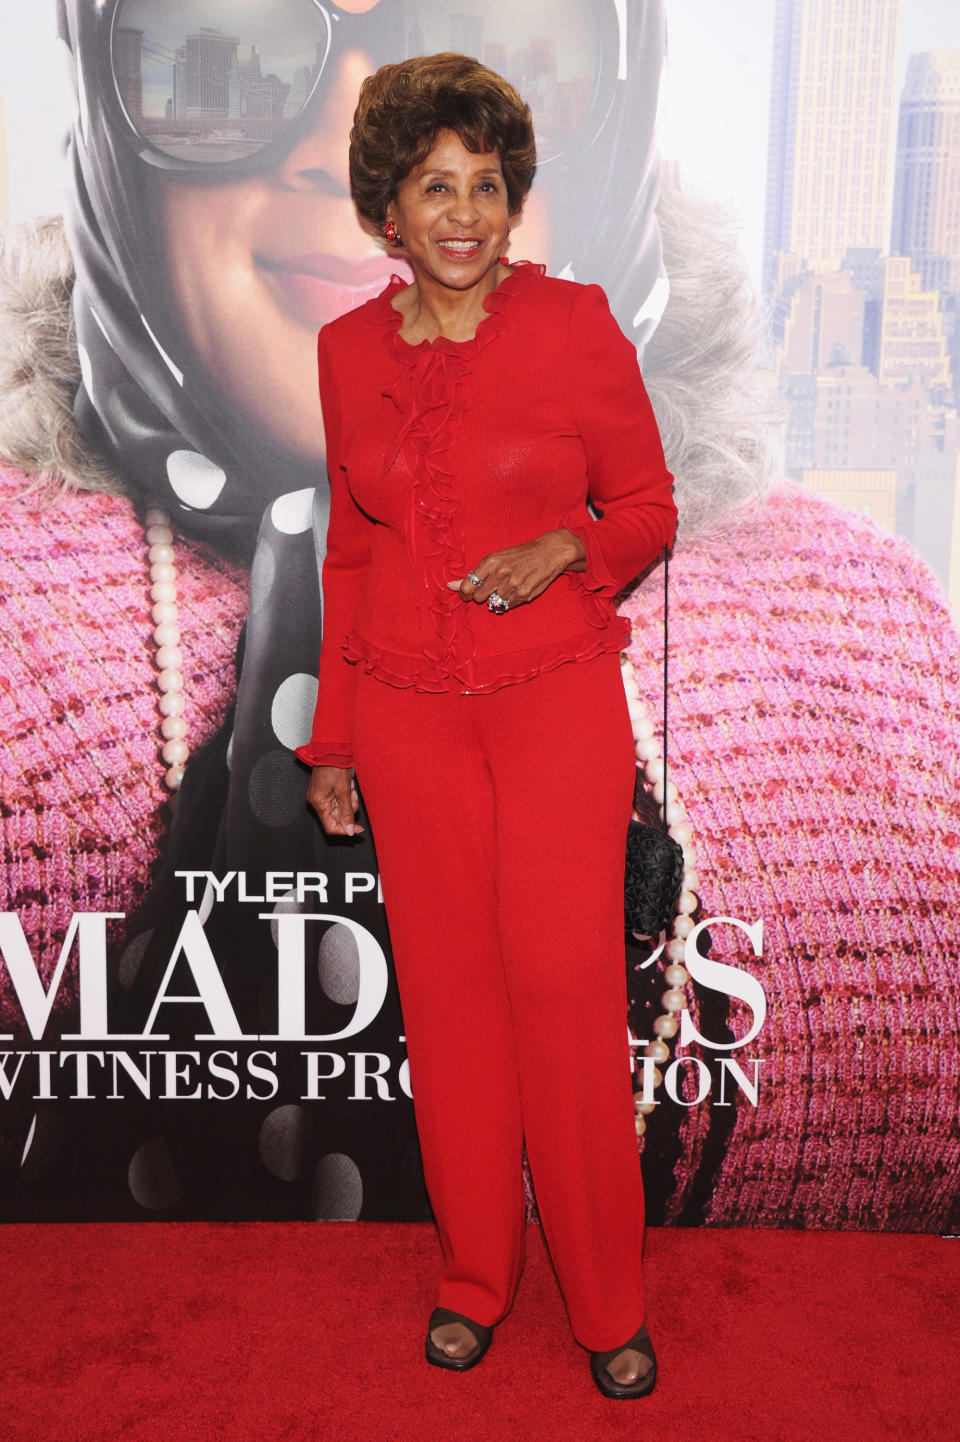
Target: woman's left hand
[(521, 573)]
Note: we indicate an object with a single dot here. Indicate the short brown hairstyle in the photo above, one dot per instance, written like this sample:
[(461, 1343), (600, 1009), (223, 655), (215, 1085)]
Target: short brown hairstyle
[(404, 107)]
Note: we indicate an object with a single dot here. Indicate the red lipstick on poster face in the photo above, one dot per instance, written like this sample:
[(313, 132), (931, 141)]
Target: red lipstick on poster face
[(318, 287)]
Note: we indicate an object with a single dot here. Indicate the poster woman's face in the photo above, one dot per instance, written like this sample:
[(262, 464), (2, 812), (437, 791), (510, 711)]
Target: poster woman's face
[(257, 264)]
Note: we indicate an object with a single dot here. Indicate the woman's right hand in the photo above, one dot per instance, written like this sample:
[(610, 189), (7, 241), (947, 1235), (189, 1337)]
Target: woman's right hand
[(332, 793)]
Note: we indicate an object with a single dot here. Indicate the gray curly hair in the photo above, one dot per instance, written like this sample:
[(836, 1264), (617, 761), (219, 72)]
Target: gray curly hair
[(39, 365)]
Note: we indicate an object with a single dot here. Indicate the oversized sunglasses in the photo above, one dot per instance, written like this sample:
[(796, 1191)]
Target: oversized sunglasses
[(228, 86)]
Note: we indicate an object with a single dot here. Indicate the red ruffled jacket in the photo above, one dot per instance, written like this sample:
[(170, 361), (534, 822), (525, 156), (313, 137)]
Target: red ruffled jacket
[(442, 452)]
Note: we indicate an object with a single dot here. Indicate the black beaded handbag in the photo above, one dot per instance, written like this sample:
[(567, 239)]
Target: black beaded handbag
[(654, 864)]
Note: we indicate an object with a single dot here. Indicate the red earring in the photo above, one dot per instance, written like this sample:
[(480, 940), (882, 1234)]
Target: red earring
[(390, 232)]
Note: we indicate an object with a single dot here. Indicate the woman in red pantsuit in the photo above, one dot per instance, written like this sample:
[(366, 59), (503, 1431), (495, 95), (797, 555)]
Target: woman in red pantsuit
[(470, 649)]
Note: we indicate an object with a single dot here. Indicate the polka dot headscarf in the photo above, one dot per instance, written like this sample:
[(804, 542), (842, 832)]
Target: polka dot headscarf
[(147, 403)]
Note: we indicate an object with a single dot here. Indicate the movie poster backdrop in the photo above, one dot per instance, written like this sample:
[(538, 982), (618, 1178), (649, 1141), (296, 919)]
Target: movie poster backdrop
[(198, 1013)]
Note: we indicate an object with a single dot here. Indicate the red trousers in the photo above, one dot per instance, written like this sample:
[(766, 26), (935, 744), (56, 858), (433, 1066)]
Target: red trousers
[(500, 823)]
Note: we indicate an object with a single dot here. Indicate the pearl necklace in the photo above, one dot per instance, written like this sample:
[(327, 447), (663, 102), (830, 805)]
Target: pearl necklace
[(671, 946), (166, 634)]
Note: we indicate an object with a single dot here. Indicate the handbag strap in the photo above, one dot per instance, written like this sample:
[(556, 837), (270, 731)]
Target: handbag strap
[(666, 594)]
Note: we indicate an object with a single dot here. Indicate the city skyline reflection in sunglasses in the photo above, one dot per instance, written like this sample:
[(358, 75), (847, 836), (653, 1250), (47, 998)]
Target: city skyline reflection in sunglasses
[(221, 82)]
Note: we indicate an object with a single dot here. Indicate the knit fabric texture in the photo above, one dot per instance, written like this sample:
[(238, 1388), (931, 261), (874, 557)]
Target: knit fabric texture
[(815, 728), (814, 737), (83, 808)]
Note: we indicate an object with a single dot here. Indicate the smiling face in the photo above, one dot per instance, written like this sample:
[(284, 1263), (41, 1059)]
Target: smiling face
[(453, 216)]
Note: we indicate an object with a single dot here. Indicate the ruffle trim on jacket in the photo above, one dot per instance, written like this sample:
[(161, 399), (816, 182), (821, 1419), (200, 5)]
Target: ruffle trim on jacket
[(381, 312), (318, 753), (597, 581), (429, 393), (486, 673)]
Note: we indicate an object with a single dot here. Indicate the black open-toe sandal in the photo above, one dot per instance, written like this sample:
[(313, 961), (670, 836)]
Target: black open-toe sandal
[(643, 1386), (440, 1317)]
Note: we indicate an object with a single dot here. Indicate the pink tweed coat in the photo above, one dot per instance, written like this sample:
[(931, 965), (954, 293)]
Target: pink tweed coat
[(815, 728)]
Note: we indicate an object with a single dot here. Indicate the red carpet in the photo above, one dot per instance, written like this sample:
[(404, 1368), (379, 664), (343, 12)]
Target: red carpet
[(180, 1333)]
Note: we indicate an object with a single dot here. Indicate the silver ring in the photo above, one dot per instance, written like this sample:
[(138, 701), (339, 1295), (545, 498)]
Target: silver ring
[(497, 604), (474, 579)]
